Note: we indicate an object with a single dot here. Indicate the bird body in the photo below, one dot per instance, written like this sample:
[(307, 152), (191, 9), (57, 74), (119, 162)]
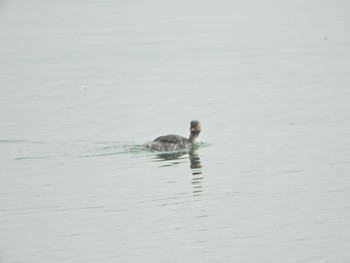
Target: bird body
[(173, 142)]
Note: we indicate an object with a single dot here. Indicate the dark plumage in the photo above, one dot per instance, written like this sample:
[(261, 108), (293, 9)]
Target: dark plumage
[(175, 142)]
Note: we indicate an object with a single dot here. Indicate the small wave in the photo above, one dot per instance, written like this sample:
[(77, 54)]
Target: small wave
[(68, 149), (31, 150), (32, 158), (18, 141)]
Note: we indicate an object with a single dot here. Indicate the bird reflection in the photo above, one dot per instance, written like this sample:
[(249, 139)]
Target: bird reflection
[(196, 169), (174, 158)]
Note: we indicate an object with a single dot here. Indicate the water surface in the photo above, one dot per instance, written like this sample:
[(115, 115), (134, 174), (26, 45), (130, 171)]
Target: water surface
[(83, 83)]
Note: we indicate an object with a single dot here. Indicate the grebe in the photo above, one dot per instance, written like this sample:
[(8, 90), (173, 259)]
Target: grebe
[(175, 142)]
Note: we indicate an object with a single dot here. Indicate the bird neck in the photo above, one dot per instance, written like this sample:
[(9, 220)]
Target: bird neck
[(193, 137)]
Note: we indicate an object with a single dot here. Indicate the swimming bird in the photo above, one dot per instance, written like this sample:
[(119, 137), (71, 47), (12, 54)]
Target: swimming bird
[(176, 142)]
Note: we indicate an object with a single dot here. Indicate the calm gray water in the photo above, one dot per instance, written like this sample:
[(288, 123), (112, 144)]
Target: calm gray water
[(83, 83)]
